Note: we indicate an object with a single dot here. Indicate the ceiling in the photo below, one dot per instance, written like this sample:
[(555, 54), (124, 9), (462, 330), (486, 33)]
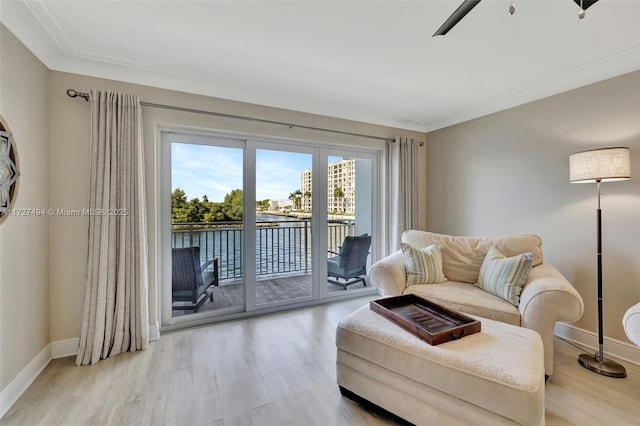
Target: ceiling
[(371, 61)]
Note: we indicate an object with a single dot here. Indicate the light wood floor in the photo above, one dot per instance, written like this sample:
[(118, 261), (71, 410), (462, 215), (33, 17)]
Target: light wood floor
[(272, 370)]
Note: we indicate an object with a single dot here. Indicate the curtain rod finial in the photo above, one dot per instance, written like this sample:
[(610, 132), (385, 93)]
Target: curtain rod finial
[(74, 94)]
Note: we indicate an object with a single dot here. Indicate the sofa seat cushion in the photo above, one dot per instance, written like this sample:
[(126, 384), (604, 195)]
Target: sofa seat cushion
[(462, 257), (468, 299), (499, 369)]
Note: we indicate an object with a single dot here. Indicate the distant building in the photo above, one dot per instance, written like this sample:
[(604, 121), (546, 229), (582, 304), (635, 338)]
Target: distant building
[(339, 174), (305, 188), (280, 205)]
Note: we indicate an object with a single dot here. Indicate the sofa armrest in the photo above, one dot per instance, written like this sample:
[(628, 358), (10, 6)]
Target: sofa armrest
[(388, 275), (631, 323), (548, 297)]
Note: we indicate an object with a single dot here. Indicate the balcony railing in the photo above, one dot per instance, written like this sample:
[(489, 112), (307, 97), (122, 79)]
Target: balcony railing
[(282, 246)]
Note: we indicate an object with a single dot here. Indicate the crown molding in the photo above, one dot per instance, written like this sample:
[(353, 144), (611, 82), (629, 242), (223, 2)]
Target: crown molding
[(600, 69)]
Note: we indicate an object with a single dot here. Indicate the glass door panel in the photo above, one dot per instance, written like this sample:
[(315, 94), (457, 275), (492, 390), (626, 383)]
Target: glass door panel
[(206, 227), (283, 226), (350, 199)]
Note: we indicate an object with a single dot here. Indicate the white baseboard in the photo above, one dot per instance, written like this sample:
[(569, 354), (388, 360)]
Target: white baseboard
[(154, 331), (10, 394), (65, 348), (612, 347), (58, 349), (69, 347)]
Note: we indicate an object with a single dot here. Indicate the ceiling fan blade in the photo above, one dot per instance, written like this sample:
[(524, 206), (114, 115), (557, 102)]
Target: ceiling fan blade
[(586, 4), (459, 13)]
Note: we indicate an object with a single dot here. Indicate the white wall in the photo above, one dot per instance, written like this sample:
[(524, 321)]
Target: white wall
[(509, 173), (24, 274)]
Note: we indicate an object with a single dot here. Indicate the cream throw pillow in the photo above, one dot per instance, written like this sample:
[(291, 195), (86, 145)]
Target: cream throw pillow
[(504, 276), (423, 266)]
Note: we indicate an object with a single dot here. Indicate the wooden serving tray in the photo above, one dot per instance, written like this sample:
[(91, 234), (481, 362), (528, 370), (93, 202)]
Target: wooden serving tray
[(428, 321)]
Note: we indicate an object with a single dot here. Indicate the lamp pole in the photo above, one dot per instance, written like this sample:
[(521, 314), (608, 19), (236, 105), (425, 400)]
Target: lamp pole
[(599, 255), (598, 363)]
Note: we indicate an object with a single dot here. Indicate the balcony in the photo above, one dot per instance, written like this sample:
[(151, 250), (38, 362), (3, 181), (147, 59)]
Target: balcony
[(283, 256)]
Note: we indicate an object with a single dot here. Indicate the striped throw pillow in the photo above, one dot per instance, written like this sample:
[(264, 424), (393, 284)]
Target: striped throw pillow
[(423, 266), (504, 276)]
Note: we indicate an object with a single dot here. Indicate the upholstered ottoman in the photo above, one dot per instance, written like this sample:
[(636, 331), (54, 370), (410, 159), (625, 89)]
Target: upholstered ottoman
[(493, 377)]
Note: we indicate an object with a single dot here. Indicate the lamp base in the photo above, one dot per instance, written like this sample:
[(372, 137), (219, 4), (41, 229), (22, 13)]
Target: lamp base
[(606, 367)]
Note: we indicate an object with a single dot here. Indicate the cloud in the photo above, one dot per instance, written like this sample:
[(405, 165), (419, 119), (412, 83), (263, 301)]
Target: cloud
[(278, 173), (215, 171), (202, 169)]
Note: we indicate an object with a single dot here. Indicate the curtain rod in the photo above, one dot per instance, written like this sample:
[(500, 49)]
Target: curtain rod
[(77, 94)]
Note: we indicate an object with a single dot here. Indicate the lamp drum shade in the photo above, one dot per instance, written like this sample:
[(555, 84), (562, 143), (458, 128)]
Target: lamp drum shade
[(600, 165)]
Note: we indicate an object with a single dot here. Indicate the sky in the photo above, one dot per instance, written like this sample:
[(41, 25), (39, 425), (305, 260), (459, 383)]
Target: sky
[(215, 171)]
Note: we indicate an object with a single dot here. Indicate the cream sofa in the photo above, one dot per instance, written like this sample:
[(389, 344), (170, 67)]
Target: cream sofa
[(546, 296)]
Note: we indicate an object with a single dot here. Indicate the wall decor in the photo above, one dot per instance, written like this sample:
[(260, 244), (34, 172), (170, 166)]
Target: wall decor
[(9, 172)]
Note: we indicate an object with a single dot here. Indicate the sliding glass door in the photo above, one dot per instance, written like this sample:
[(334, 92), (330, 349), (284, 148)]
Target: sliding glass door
[(253, 225)]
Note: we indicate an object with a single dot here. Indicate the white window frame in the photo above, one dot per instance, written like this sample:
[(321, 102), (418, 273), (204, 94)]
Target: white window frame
[(321, 150)]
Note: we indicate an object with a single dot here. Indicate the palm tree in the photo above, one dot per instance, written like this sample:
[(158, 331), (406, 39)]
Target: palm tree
[(307, 195), (296, 196), (338, 193)]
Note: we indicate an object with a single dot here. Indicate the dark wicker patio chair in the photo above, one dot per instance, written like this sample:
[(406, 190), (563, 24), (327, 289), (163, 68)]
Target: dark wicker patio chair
[(191, 281), (350, 264)]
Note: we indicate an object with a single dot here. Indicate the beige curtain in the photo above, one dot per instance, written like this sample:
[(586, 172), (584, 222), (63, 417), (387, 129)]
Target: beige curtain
[(403, 188), (116, 317)]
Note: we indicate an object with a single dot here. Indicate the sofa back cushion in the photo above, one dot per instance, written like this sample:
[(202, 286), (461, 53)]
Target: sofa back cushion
[(462, 257)]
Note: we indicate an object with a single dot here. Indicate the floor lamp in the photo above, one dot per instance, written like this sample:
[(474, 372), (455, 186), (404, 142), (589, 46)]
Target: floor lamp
[(600, 165)]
